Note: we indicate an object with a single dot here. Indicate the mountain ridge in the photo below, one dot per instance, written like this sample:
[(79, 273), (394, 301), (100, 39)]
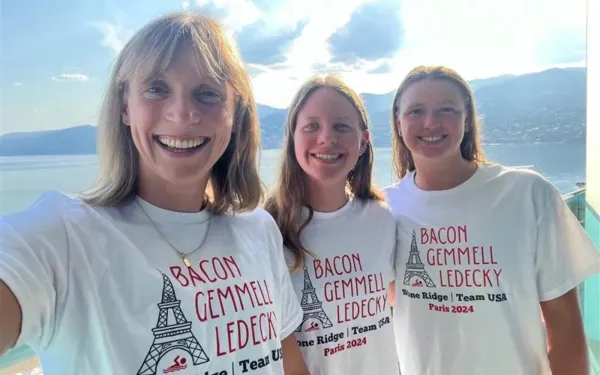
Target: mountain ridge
[(547, 106)]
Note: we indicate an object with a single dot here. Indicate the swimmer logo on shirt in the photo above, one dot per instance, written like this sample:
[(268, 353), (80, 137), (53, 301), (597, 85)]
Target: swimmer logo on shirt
[(415, 267), (172, 335), (312, 307)]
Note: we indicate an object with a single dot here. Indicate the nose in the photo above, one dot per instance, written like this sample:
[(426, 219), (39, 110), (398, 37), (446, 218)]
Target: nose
[(182, 110), (327, 135), (431, 119)]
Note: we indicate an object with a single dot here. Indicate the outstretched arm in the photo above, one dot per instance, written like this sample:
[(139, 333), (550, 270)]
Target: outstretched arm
[(10, 324)]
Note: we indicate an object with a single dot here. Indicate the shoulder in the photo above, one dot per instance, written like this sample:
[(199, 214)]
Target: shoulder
[(396, 193), (398, 185), (256, 224), (257, 218), (521, 179), (523, 187), (377, 208), (48, 213)]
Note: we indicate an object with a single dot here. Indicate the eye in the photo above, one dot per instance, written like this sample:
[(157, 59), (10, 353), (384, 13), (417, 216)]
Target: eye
[(342, 127), (155, 91), (209, 96), (310, 127), (415, 112), (447, 110)]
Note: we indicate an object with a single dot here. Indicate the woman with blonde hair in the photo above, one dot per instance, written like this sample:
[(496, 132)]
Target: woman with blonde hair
[(484, 248), (338, 234), (151, 272)]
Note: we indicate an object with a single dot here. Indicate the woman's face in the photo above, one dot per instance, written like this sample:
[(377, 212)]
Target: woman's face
[(181, 122), (431, 120), (328, 138)]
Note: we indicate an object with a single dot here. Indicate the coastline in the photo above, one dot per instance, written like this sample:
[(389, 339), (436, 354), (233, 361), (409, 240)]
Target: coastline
[(23, 367)]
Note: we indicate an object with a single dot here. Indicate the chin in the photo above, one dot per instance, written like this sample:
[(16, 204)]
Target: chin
[(328, 179)]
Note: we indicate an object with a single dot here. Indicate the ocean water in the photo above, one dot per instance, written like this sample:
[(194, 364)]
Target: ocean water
[(23, 179)]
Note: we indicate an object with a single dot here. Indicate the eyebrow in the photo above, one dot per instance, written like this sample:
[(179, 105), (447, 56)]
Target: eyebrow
[(336, 118), (442, 102)]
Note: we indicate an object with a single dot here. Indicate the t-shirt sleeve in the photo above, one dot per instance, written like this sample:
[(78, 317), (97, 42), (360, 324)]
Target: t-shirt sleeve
[(33, 250), (565, 255), (291, 311)]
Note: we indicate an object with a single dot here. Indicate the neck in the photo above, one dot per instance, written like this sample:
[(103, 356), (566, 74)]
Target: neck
[(326, 198), (163, 194), (443, 175)]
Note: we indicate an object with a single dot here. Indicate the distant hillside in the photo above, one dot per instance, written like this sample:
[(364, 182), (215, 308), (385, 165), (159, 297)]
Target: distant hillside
[(71, 141), (548, 106)]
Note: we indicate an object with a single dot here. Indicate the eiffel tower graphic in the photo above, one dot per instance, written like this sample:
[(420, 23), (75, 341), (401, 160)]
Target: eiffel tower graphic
[(313, 308), (415, 267), (169, 334)]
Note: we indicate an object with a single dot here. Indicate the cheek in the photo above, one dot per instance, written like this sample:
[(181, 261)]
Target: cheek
[(406, 127), (142, 114), (351, 142), (302, 143)]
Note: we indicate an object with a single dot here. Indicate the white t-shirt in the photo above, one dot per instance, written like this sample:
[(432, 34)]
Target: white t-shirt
[(102, 293), (474, 264), (346, 328)]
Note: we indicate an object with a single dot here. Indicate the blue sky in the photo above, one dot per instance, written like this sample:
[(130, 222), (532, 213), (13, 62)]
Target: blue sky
[(56, 55)]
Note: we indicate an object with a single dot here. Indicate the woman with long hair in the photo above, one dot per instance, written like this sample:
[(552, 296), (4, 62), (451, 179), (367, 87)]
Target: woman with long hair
[(150, 272), (490, 256), (338, 234)]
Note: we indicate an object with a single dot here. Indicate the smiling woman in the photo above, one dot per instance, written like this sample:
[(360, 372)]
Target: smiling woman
[(339, 236), (94, 284), (516, 248)]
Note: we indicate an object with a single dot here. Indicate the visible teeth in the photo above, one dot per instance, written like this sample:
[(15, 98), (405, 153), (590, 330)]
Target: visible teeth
[(328, 156), (181, 143), (432, 139)]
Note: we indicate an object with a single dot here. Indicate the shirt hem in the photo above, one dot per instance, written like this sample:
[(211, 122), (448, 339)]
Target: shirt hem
[(289, 329)]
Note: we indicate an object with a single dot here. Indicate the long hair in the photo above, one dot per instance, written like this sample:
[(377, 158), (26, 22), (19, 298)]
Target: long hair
[(288, 197), (234, 184), (470, 147)]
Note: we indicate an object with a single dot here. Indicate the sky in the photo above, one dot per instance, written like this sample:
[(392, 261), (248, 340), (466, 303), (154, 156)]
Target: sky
[(56, 55)]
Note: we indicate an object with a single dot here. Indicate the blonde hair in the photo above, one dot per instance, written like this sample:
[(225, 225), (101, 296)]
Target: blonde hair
[(288, 197), (470, 146), (234, 182)]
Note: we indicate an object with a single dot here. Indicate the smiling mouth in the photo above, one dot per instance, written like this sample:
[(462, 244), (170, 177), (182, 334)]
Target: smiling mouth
[(327, 157), (178, 144), (435, 139)]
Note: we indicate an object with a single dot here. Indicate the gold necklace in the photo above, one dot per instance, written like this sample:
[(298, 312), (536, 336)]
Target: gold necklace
[(182, 255)]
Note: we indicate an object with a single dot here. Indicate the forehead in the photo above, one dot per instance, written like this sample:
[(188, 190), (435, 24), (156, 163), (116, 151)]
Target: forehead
[(327, 102), (183, 61), (431, 91)]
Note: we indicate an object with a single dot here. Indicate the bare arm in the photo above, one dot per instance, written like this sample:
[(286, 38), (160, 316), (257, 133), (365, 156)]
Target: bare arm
[(567, 346), (10, 324), (392, 293), (293, 361)]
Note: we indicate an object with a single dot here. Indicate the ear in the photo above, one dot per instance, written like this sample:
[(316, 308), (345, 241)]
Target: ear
[(125, 114), (365, 141)]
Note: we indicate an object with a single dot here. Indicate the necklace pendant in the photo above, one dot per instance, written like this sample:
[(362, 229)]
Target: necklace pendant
[(186, 261)]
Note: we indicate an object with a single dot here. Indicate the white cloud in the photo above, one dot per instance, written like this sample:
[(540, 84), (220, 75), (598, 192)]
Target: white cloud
[(72, 77), (276, 87), (479, 38), (114, 35), (240, 13), (17, 83)]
